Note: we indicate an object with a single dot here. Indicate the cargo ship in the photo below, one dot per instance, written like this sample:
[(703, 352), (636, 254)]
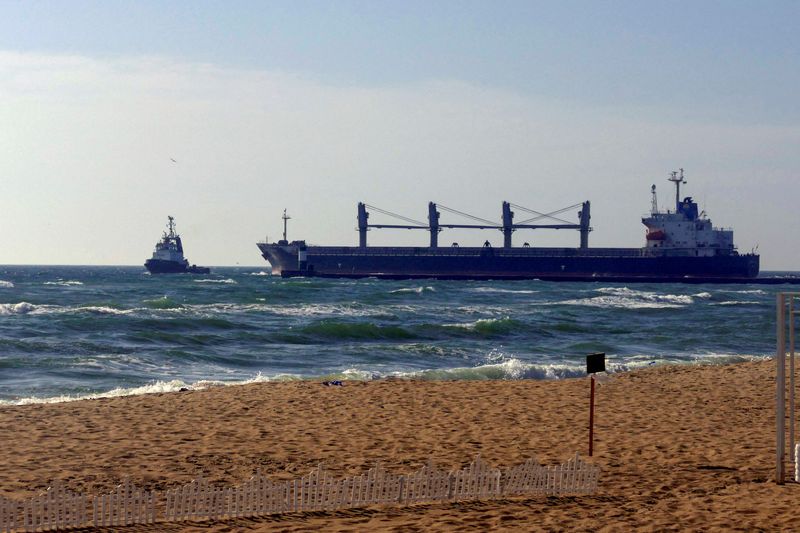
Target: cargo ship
[(681, 245), (168, 256)]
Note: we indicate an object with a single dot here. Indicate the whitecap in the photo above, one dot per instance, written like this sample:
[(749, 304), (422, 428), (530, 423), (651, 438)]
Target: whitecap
[(6, 284), (228, 281), (104, 310), (745, 291), (64, 283), (623, 297), (622, 303), (503, 291), (21, 308), (416, 290)]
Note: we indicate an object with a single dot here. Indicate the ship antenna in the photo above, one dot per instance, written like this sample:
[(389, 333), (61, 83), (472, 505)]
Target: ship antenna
[(171, 225), (654, 208), (285, 218), (677, 180)]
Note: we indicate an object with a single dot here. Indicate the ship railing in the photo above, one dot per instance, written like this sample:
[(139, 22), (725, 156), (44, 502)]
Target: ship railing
[(473, 251)]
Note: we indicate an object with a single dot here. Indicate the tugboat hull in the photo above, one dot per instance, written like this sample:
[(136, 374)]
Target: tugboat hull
[(157, 266)]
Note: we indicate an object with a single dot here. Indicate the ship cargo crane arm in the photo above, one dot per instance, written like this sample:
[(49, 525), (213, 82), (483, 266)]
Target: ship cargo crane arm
[(467, 215), (550, 215), (417, 223)]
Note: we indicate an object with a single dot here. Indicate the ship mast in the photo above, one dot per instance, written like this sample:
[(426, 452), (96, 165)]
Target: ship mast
[(677, 180), (171, 226), (285, 218), (654, 208)]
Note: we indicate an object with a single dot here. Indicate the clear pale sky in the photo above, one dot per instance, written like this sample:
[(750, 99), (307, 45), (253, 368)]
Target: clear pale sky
[(315, 106)]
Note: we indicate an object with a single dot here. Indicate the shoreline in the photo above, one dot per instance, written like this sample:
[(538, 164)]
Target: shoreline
[(679, 446), (507, 370)]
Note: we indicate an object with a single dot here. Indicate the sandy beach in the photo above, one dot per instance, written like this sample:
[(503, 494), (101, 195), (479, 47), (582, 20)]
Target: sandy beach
[(680, 447)]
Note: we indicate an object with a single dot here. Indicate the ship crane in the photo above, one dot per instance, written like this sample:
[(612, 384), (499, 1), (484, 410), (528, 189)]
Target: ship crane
[(507, 226)]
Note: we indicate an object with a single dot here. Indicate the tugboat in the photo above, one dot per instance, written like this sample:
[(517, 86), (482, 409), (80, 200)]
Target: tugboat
[(168, 255)]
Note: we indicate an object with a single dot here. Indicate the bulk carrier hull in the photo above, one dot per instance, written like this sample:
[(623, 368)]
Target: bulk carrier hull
[(681, 245), (556, 264)]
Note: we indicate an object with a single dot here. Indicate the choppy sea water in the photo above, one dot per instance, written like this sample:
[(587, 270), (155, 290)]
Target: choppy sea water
[(73, 332)]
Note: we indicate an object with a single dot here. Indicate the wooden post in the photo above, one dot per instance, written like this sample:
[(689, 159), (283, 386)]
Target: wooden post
[(591, 418)]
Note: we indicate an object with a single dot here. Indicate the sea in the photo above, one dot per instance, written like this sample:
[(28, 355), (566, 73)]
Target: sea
[(72, 332)]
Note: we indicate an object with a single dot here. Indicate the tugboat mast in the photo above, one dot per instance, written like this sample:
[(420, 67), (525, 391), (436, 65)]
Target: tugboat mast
[(677, 180), (171, 226), (285, 218)]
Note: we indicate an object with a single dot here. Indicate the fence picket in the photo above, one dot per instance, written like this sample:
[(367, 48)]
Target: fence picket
[(59, 509)]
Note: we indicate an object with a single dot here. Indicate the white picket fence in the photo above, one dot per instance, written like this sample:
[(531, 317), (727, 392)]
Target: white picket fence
[(59, 509)]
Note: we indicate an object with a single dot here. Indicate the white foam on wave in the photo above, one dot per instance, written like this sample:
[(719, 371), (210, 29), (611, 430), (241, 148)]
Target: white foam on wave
[(20, 308), (261, 273), (483, 310), (313, 310), (703, 295), (728, 358), (745, 291), (227, 281), (742, 302), (6, 284), (156, 387), (151, 388), (105, 310), (414, 290), (503, 291), (481, 322), (623, 297), (64, 283), (307, 310), (26, 308)]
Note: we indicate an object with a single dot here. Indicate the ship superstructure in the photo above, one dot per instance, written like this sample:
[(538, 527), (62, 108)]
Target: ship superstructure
[(680, 245), (685, 230), (168, 255)]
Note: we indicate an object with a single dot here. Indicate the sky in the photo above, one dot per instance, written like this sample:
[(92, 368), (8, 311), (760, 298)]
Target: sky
[(114, 115)]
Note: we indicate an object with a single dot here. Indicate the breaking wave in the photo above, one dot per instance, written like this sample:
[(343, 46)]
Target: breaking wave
[(503, 291), (490, 326), (21, 308), (63, 283), (162, 303), (623, 297), (414, 290), (227, 281), (6, 284)]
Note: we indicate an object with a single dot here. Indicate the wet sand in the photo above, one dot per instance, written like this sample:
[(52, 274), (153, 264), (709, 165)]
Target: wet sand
[(680, 447)]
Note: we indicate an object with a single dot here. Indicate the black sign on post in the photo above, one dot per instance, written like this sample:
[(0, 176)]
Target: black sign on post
[(595, 362)]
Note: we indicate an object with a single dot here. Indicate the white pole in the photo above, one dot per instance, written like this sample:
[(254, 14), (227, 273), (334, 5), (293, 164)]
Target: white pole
[(791, 376), (796, 461), (780, 390)]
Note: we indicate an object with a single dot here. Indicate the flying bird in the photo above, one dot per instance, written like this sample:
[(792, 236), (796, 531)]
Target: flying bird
[(172, 160)]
